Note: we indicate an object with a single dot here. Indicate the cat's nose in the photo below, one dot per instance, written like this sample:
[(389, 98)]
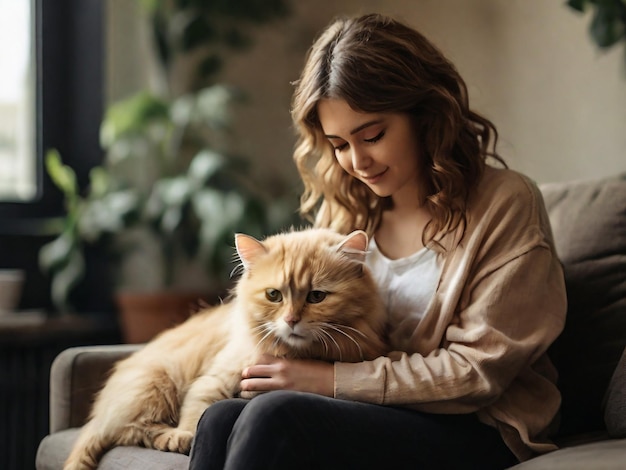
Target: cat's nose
[(291, 321)]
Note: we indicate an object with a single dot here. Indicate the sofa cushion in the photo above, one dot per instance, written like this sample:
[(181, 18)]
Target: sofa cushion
[(54, 449), (615, 411), (606, 455), (589, 224)]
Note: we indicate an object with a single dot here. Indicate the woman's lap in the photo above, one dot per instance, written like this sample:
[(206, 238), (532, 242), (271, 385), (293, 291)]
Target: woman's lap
[(299, 430)]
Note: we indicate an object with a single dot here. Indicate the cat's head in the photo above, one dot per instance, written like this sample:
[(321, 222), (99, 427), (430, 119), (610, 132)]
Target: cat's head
[(308, 293)]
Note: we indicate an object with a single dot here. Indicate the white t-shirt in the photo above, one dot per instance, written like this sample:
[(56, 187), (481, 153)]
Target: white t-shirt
[(407, 286)]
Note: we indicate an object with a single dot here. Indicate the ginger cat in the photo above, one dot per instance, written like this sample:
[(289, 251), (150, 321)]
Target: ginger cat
[(302, 294)]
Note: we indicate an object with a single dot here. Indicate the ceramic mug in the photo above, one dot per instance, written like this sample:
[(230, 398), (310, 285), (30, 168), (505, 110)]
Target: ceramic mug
[(11, 281)]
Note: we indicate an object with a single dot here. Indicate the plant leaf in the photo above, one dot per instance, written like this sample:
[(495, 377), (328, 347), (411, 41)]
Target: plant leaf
[(107, 214), (578, 5), (197, 32), (99, 180), (151, 5), (61, 175), (183, 109), (237, 39), (209, 66), (174, 191), (209, 207), (208, 204), (57, 252), (131, 115), (204, 165), (214, 105), (234, 205), (123, 202), (171, 219), (606, 27), (66, 278)]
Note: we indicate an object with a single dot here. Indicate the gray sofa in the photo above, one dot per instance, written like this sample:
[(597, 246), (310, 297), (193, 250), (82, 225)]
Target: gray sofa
[(589, 223)]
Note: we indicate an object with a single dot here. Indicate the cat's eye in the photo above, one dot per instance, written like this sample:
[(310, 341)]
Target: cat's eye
[(315, 296), (273, 295)]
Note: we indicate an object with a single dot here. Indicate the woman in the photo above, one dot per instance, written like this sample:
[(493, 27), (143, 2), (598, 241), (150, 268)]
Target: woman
[(461, 250)]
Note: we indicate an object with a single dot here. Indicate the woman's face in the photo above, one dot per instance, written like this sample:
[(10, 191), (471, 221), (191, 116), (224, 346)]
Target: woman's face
[(381, 150)]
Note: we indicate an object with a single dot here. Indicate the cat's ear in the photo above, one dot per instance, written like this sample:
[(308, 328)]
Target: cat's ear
[(355, 245), (248, 248)]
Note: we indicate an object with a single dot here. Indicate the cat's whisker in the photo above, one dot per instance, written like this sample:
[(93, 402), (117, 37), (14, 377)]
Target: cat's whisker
[(333, 340), (238, 269), (319, 337), (338, 330), (261, 327), (268, 332), (352, 329)]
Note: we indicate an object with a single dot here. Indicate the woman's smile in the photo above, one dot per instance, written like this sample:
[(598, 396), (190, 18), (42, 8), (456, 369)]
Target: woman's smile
[(374, 178)]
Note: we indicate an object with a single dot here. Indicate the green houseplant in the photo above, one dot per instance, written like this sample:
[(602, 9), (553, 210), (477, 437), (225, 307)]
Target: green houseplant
[(608, 22), (168, 187)]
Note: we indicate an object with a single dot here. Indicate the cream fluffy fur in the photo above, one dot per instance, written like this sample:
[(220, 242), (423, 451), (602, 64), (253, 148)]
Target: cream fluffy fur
[(302, 294)]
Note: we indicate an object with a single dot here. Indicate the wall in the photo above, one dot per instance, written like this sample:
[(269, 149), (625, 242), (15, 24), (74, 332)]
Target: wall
[(558, 102)]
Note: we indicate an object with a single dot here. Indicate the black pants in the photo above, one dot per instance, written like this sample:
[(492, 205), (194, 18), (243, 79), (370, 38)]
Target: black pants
[(293, 430)]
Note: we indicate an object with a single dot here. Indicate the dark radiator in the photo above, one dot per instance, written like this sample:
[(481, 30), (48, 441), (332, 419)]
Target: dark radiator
[(24, 403), (27, 350)]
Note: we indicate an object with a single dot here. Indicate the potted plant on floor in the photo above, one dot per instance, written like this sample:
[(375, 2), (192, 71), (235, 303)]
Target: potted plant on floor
[(169, 195)]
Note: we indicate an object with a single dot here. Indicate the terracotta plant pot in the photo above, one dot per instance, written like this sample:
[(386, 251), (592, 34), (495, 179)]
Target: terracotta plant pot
[(144, 315)]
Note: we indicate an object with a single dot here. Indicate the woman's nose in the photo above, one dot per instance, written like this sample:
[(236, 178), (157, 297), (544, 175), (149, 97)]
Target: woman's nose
[(360, 159)]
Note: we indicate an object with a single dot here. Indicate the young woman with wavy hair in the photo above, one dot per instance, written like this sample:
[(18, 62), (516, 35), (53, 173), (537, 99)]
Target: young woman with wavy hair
[(462, 254)]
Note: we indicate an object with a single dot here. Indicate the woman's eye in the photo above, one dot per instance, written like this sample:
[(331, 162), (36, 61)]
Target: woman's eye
[(315, 296), (341, 147), (376, 138), (273, 295)]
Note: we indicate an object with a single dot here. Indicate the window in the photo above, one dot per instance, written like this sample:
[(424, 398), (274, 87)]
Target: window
[(18, 179), (62, 102)]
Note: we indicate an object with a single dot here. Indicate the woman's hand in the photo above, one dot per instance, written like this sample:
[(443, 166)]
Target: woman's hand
[(272, 373)]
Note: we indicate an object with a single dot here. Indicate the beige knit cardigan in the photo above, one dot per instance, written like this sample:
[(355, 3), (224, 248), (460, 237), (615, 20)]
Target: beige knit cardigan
[(481, 346)]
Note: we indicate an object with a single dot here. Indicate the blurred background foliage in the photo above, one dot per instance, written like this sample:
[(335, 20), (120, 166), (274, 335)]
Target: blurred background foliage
[(168, 187), (608, 21)]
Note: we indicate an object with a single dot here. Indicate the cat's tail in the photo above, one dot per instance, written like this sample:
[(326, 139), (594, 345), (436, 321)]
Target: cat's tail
[(88, 449)]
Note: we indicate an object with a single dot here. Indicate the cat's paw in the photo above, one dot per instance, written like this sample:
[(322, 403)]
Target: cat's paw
[(174, 440)]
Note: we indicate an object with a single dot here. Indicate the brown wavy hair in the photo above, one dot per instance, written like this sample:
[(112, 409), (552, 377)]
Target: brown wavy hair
[(379, 65)]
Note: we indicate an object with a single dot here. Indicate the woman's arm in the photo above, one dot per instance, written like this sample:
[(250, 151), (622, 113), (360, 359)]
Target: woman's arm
[(504, 322)]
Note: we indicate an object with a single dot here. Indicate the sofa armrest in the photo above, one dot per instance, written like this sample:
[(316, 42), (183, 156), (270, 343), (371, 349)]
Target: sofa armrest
[(76, 375), (615, 404)]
